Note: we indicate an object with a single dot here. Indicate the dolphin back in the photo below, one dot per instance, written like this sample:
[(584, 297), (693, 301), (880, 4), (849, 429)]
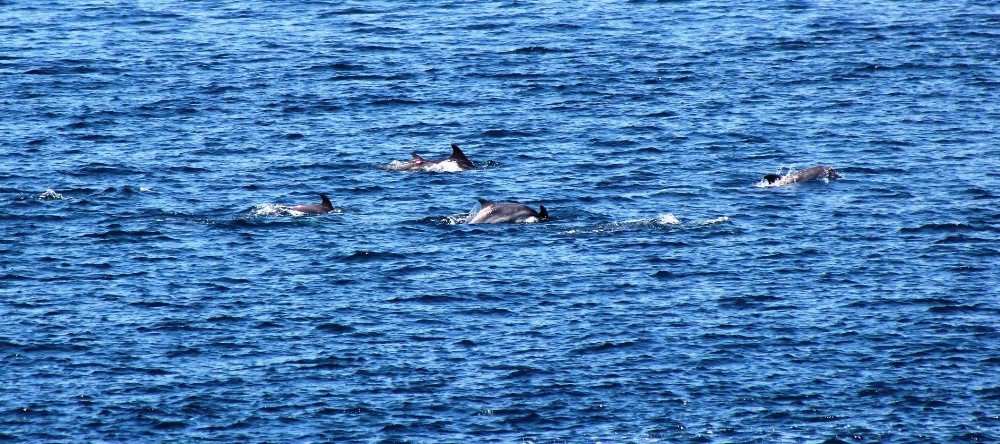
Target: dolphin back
[(459, 157), (504, 212)]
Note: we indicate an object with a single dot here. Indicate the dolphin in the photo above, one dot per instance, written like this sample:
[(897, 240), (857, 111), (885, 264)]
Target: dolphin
[(456, 162), (814, 173), (506, 212), (321, 208)]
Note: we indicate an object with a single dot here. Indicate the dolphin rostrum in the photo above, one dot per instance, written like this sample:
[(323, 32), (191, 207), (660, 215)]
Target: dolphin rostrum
[(506, 212), (456, 162), (814, 173)]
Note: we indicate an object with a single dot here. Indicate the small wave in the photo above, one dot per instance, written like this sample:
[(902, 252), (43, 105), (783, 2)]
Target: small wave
[(939, 228), (535, 50), (718, 220), (661, 221), (125, 234)]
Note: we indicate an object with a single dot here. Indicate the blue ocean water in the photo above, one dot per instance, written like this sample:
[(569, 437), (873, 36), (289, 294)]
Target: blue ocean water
[(150, 290)]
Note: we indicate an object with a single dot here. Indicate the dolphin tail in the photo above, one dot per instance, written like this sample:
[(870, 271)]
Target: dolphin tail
[(459, 156), (326, 202), (543, 214)]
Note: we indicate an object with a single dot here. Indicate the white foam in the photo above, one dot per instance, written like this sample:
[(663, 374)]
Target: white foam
[(272, 210), (667, 219), (50, 194), (785, 176), (717, 220), (457, 219), (396, 165), (447, 166)]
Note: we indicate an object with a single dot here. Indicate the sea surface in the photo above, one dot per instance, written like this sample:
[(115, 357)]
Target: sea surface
[(153, 288)]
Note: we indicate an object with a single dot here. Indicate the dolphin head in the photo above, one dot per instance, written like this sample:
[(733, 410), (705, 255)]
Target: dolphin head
[(772, 178)]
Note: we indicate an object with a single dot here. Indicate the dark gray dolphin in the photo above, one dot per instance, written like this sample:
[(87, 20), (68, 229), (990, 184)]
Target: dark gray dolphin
[(325, 207), (814, 173), (456, 162), (507, 212)]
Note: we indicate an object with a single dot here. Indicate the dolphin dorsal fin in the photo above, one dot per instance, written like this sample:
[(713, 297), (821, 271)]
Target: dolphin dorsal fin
[(542, 212), (417, 157), (326, 201), (459, 156), (484, 203)]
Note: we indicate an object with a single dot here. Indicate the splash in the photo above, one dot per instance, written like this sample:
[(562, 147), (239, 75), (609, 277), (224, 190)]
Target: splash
[(785, 172), (661, 221), (667, 219), (50, 194), (276, 210), (717, 220)]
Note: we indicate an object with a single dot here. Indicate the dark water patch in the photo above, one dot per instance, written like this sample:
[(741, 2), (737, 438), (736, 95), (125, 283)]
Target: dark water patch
[(428, 299), (128, 235), (334, 328), (63, 70), (364, 28), (954, 227), (150, 304), (500, 133), (99, 169), (533, 50), (330, 362), (338, 66), (349, 11), (661, 114), (394, 102), (956, 308), (618, 143), (371, 256), (604, 347), (487, 26), (963, 239)]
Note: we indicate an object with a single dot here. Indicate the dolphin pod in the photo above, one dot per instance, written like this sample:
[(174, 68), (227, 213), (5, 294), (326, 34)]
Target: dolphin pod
[(513, 212)]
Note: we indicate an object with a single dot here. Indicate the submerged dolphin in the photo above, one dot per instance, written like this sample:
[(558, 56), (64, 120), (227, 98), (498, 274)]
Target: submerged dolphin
[(325, 207), (506, 212), (816, 172), (456, 162)]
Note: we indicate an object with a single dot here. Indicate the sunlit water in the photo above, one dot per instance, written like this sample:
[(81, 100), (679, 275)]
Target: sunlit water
[(153, 287)]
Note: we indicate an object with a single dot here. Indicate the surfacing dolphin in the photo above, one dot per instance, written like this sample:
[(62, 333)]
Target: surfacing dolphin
[(814, 173), (507, 212), (456, 162), (325, 207)]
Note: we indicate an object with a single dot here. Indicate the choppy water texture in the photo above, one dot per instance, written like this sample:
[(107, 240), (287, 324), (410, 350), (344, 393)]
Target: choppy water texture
[(158, 292)]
